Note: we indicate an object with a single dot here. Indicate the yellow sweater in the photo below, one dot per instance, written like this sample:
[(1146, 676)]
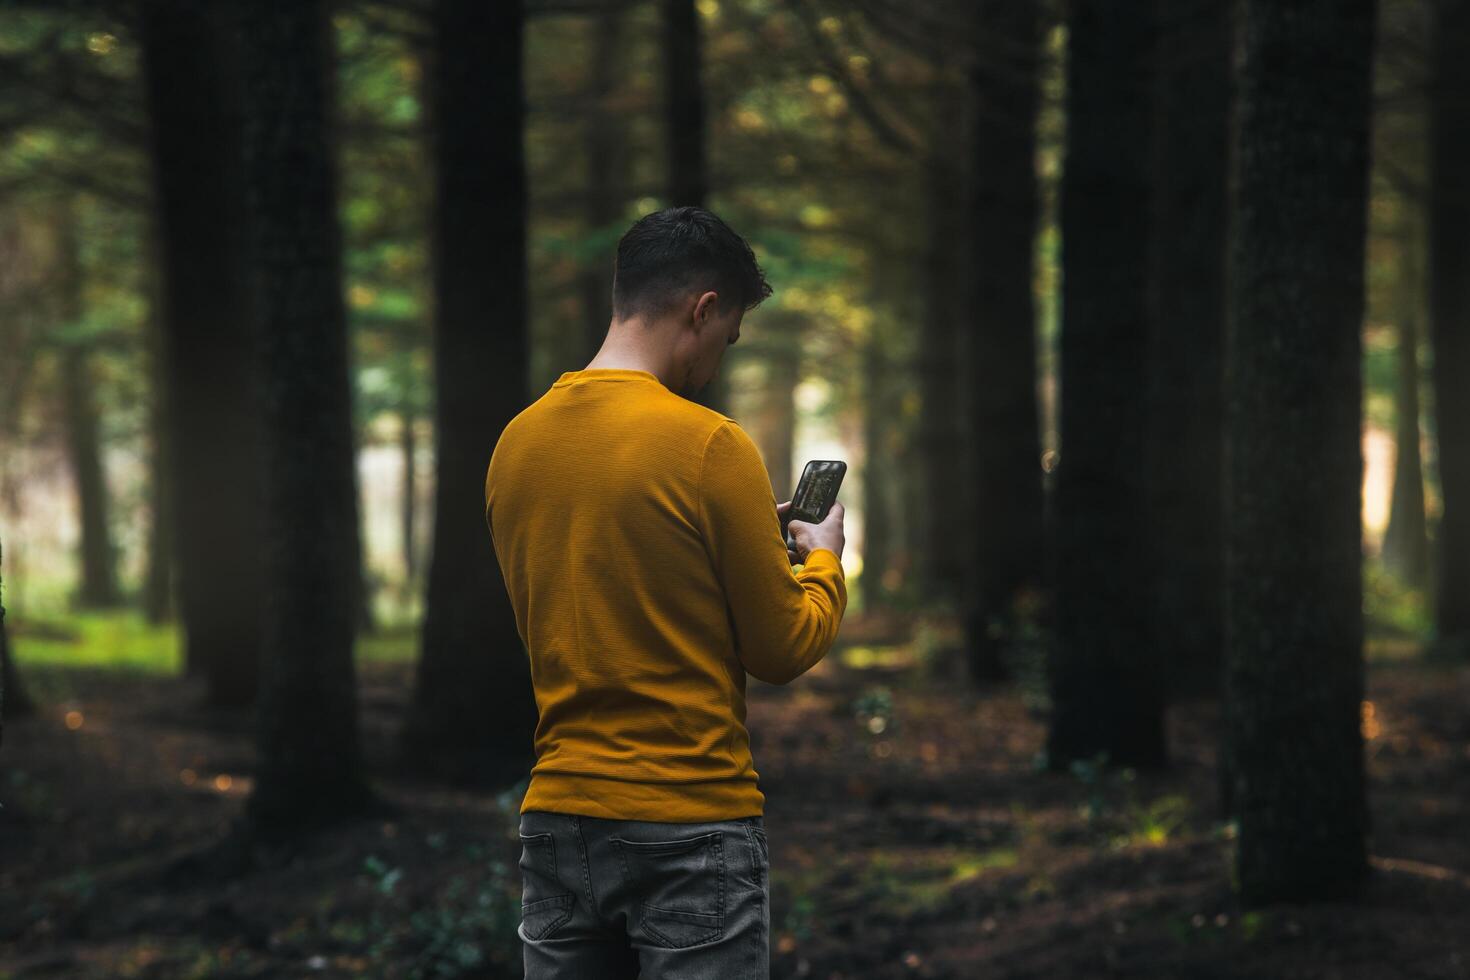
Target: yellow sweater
[(638, 537)]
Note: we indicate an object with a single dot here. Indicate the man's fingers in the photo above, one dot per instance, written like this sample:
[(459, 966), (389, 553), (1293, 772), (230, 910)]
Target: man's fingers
[(781, 507)]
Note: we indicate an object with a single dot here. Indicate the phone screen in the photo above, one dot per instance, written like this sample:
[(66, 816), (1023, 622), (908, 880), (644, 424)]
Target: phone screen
[(817, 490)]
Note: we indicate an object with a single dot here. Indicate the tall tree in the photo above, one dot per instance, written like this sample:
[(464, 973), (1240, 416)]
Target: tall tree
[(606, 173), (474, 711), (772, 422), (941, 422), (1449, 301), (158, 585), (1192, 92), (688, 167), (880, 484), (1294, 626), (1105, 685), (13, 699), (1406, 540), (408, 511), (98, 587), (205, 372), (1006, 552), (688, 172), (310, 768)]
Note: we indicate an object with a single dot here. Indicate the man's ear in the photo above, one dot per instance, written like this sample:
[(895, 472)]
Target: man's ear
[(706, 307)]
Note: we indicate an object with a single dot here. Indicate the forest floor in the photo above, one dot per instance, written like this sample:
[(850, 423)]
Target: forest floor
[(912, 834)]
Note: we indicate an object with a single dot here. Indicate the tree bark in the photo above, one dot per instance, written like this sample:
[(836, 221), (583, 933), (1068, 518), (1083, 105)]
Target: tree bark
[(98, 558), (773, 425), (158, 586), (14, 702), (1406, 540), (688, 168), (1294, 630), (1193, 93), (474, 712), (210, 451), (880, 453), (684, 92), (408, 444), (783, 375), (1001, 373), (1106, 692), (310, 770), (606, 174), (941, 424), (1449, 299)]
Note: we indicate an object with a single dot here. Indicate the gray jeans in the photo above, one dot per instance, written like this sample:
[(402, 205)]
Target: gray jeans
[(625, 899)]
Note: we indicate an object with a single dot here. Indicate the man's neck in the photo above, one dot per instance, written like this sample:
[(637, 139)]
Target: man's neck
[(632, 345)]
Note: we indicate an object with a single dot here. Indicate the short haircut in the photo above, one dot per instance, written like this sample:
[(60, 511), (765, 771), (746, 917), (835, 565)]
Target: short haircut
[(669, 253)]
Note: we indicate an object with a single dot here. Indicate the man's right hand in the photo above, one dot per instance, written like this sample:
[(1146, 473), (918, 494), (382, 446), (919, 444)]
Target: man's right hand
[(809, 537)]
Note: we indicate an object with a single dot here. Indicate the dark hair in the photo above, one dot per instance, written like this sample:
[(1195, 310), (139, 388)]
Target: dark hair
[(670, 252)]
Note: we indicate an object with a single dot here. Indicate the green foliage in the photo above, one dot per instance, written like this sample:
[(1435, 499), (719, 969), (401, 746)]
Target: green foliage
[(117, 640), (801, 916), (1391, 607), (466, 930), (873, 710), (1025, 641), (1115, 815)]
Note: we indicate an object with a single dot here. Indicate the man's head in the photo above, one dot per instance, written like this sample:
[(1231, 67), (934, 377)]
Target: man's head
[(686, 275)]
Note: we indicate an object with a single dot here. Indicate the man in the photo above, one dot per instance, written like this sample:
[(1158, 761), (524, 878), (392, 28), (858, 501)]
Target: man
[(642, 550)]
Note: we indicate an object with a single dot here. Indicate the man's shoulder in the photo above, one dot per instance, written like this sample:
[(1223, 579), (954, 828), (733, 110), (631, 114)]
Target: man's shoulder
[(671, 418)]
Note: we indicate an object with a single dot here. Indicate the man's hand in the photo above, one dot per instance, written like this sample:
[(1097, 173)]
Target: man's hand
[(809, 537)]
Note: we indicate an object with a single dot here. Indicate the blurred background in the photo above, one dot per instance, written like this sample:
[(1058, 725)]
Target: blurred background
[(1159, 671)]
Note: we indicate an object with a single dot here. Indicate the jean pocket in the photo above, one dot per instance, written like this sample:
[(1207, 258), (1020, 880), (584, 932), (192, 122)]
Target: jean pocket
[(680, 885), (545, 902), (764, 855)]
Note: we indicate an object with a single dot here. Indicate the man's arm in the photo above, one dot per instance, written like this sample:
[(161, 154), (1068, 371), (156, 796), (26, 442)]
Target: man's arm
[(785, 621)]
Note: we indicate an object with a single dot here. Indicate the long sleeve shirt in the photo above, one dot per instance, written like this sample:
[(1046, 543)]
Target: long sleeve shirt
[(639, 542)]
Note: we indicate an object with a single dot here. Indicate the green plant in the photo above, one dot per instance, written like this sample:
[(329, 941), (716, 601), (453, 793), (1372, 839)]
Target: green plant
[(467, 929), (1114, 812), (1390, 606), (873, 710), (800, 916), (1093, 775)]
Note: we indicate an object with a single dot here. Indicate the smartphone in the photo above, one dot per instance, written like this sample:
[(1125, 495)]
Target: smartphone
[(816, 492)]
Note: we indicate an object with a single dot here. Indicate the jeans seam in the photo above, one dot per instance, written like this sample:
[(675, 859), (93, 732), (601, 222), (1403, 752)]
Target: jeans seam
[(586, 870), (762, 939), (755, 853)]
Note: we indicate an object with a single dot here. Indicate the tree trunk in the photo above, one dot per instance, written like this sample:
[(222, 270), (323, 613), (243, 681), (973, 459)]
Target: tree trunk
[(1006, 551), (879, 458), (1106, 692), (211, 458), (98, 587), (606, 167), (688, 172), (14, 703), (1406, 540), (408, 443), (474, 712), (158, 586), (1294, 628), (684, 93), (1192, 92), (310, 764), (784, 373), (1449, 300), (773, 425), (941, 437)]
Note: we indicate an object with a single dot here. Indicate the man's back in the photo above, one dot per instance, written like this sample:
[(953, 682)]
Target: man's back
[(641, 549)]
